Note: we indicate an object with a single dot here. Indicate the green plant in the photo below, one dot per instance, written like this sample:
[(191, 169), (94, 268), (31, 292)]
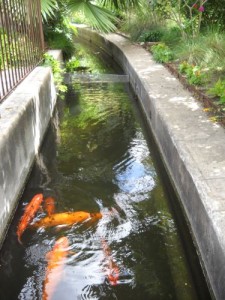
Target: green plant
[(193, 73), (72, 64), (50, 61), (183, 67), (195, 76), (218, 90), (162, 53), (58, 39), (151, 36), (187, 15)]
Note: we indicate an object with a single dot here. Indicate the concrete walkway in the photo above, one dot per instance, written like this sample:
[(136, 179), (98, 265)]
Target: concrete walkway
[(192, 148)]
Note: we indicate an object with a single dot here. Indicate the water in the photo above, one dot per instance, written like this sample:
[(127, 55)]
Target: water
[(97, 156)]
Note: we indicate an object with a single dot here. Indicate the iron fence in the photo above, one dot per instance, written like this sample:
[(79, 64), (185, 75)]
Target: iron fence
[(21, 41)]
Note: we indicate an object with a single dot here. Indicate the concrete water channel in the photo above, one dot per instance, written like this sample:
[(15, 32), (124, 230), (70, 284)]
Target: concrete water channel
[(165, 105)]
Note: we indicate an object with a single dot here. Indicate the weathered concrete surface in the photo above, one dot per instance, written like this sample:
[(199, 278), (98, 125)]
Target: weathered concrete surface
[(24, 118), (192, 148)]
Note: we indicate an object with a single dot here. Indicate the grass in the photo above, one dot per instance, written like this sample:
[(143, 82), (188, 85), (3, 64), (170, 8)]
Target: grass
[(206, 51)]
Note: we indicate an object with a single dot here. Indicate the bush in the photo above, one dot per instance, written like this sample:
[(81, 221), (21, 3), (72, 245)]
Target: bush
[(193, 73), (59, 40), (218, 90), (151, 36), (72, 64), (57, 71), (162, 53)]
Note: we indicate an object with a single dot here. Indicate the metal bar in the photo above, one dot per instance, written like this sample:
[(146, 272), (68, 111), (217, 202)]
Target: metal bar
[(10, 79), (12, 42), (21, 41), (6, 82), (40, 26)]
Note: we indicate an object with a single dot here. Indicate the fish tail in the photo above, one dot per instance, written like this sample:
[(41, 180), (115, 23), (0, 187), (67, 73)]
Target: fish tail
[(19, 240)]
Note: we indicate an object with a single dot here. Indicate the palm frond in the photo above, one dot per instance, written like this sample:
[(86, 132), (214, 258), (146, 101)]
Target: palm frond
[(120, 4), (98, 17), (48, 7)]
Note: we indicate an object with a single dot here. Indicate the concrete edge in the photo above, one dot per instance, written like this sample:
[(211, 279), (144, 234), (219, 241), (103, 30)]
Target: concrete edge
[(24, 118), (191, 146)]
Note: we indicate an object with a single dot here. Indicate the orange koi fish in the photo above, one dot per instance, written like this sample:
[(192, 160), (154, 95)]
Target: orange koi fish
[(113, 271), (66, 218), (49, 205), (29, 213), (56, 260)]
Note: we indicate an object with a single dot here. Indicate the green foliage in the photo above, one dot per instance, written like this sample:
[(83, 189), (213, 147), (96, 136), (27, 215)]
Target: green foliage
[(187, 14), (162, 53), (48, 7), (171, 36), (218, 90), (137, 22), (72, 64), (151, 36), (214, 14), (50, 61), (15, 50), (206, 51), (100, 18), (193, 73), (59, 32), (119, 4), (59, 40), (183, 67)]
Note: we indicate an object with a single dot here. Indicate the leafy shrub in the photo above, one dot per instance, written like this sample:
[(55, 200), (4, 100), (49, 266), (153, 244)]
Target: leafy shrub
[(171, 36), (193, 73), (218, 90), (72, 64), (183, 67), (151, 36), (57, 71), (60, 40), (162, 53)]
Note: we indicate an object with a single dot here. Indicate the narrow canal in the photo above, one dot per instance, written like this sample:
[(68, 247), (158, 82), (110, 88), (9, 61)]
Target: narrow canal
[(97, 157)]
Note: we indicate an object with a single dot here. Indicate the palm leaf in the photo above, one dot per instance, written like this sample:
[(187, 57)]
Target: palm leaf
[(120, 4), (48, 7), (98, 17)]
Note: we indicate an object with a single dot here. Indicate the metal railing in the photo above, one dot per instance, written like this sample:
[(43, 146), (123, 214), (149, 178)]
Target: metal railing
[(21, 41)]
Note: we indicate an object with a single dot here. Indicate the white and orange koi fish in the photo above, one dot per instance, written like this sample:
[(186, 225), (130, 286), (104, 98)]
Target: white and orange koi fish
[(56, 261)]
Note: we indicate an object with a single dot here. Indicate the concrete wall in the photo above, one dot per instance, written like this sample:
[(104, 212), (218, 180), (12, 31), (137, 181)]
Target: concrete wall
[(191, 146), (24, 118)]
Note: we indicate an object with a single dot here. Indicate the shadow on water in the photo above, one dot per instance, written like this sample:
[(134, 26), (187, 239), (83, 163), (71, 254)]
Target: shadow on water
[(97, 157)]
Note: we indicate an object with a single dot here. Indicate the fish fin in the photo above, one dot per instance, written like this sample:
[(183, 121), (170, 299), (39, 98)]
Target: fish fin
[(19, 240), (41, 209), (59, 227), (48, 255)]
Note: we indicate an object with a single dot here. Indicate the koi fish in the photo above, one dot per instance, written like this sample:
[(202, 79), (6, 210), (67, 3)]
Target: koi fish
[(66, 218), (29, 213), (113, 271), (49, 206), (56, 260)]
